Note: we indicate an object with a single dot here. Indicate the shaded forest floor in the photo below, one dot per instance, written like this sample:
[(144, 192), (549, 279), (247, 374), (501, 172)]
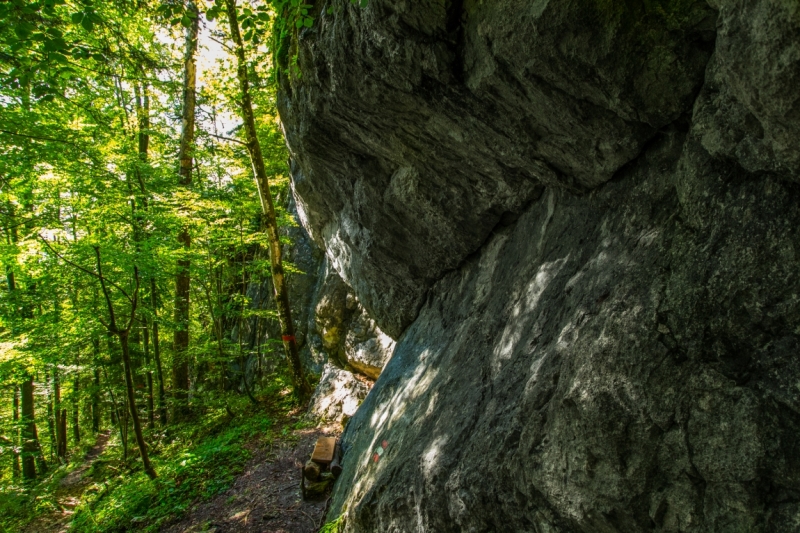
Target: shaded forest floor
[(221, 472), (266, 497), (68, 492)]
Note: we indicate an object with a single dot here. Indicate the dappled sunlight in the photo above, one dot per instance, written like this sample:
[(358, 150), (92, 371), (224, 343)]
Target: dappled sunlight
[(430, 457), (391, 410), (526, 304)]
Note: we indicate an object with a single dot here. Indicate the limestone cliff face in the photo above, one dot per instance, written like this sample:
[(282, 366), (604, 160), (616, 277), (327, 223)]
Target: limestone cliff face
[(580, 220), (339, 343)]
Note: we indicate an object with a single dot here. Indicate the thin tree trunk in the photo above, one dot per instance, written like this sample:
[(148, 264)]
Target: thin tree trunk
[(96, 388), (51, 420), (76, 430), (162, 397), (180, 365), (116, 419), (302, 388), (137, 427), (151, 419), (96, 402), (143, 114), (123, 424), (122, 334), (63, 434), (16, 466), (30, 441), (61, 437)]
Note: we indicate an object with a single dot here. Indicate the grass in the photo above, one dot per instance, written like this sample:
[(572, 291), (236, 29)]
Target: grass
[(201, 461), (20, 504), (194, 461)]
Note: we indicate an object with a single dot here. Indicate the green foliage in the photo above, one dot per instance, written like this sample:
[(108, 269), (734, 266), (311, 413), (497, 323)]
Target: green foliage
[(77, 78), (334, 526), (201, 461), (291, 17)]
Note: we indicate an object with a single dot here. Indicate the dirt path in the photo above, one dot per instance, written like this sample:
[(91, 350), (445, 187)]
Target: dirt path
[(69, 492), (266, 497)]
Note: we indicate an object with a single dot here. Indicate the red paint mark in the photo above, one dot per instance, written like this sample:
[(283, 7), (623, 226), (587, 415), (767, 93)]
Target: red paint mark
[(376, 457), (385, 444), (288, 338)]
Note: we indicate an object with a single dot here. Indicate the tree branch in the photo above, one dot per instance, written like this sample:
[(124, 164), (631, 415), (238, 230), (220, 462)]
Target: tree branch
[(112, 321), (228, 48), (228, 139), (135, 300), (82, 269)]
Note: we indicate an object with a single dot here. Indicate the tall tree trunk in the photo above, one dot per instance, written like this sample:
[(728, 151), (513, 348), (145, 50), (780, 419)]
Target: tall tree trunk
[(96, 389), (116, 419), (162, 400), (76, 430), (61, 425), (302, 388), (51, 420), (16, 467), (30, 438), (143, 114), (137, 426), (151, 419), (180, 365), (62, 447), (122, 334)]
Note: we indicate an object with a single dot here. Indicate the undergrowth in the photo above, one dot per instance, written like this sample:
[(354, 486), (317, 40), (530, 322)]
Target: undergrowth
[(195, 461), (20, 504)]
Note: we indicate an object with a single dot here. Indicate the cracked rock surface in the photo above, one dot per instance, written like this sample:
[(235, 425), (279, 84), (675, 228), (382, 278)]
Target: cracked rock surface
[(580, 221)]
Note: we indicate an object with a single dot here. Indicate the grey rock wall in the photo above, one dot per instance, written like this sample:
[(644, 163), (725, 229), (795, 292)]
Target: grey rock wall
[(581, 222), (419, 126), (353, 346)]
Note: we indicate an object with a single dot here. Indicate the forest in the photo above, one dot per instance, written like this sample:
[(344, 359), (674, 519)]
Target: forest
[(358, 266), (144, 185)]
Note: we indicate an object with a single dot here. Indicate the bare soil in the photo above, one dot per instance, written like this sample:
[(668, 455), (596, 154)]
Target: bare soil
[(265, 498)]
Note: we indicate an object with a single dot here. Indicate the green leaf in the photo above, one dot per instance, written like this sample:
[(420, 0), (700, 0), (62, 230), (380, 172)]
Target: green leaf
[(59, 58), (186, 22), (77, 17), (87, 24), (55, 45), (298, 23), (330, 10), (308, 22), (364, 3), (23, 29)]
